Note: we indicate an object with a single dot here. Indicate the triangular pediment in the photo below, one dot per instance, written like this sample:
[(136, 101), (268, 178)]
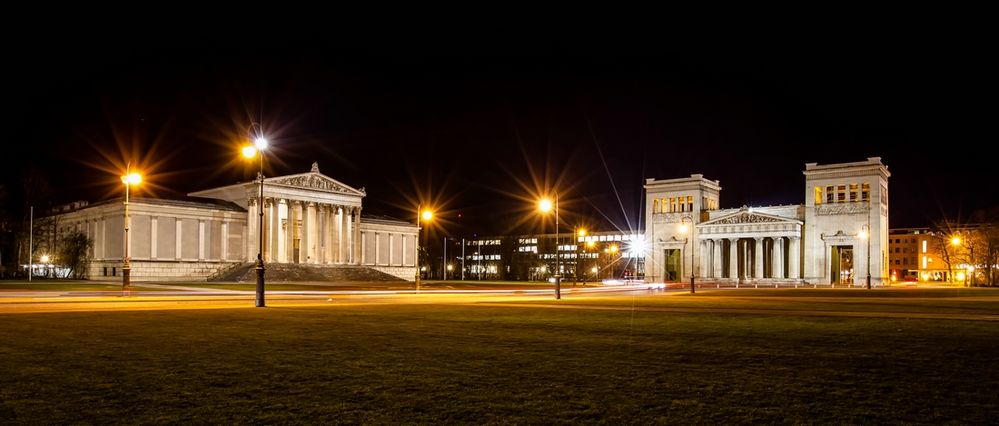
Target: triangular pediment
[(742, 217), (315, 181)]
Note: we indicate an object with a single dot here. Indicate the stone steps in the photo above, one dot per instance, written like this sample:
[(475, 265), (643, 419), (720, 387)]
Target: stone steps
[(285, 272)]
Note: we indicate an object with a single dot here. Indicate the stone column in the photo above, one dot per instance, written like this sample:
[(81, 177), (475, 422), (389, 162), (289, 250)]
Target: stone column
[(274, 236), (325, 218), (338, 235), (282, 231), (348, 255), (777, 258), (294, 213), (251, 228), (313, 229), (758, 259), (703, 264), (178, 228), (733, 259), (201, 240), (357, 235), (793, 258), (716, 261)]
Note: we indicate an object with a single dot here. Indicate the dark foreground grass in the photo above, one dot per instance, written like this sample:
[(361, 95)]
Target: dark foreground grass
[(464, 364)]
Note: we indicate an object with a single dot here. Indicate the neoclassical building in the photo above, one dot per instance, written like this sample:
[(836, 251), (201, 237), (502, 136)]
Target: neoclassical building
[(309, 218), (838, 236)]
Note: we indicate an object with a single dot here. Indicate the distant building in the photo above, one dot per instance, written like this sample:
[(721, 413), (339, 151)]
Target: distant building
[(309, 218), (904, 245), (838, 236), (593, 257)]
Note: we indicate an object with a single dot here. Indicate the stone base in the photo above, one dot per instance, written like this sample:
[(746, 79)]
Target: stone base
[(158, 270)]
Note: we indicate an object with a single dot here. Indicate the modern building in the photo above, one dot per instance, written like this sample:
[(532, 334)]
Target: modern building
[(309, 219), (904, 255), (839, 235), (595, 256)]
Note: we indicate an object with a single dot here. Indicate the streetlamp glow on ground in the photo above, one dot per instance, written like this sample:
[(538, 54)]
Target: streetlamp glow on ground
[(688, 233), (130, 178), (423, 216), (865, 234), (250, 151), (545, 206)]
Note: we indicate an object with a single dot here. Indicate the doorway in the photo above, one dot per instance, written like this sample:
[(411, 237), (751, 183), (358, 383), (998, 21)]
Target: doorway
[(842, 265), (672, 270)]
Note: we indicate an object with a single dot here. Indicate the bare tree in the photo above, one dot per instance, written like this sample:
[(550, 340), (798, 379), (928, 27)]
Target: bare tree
[(75, 253)]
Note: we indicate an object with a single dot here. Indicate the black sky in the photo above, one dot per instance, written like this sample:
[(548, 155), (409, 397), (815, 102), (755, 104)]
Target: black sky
[(464, 122)]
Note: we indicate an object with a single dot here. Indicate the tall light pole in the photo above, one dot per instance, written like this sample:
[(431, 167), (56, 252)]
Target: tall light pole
[(580, 234), (130, 178), (545, 206), (423, 216), (865, 233), (688, 235), (249, 151)]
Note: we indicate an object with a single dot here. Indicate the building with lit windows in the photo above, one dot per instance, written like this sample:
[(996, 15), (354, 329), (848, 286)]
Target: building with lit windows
[(839, 235), (594, 257), (904, 255)]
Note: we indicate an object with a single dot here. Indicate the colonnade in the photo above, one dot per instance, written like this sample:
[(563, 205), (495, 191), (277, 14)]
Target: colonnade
[(299, 231), (735, 258)]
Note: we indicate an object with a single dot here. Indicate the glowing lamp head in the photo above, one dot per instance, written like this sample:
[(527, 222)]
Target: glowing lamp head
[(593, 269), (684, 228), (862, 234), (131, 179), (613, 249), (582, 232), (427, 215), (545, 205), (260, 143), (955, 241), (249, 151), (45, 258), (590, 244)]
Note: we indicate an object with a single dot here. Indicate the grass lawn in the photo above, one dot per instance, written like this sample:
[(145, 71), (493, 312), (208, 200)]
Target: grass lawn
[(481, 364)]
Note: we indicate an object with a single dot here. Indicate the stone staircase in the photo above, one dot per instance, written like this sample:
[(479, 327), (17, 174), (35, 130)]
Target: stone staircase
[(290, 272)]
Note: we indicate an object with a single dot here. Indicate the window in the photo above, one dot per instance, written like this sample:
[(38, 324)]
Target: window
[(830, 194), (690, 203), (854, 193), (924, 247), (841, 194), (865, 192), (897, 262), (655, 206), (672, 204), (818, 195)]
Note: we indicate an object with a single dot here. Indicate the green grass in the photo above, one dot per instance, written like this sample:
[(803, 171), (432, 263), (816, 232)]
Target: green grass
[(471, 364)]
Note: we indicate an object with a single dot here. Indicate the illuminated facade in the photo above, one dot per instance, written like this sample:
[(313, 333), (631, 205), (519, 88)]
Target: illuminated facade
[(309, 218), (837, 236)]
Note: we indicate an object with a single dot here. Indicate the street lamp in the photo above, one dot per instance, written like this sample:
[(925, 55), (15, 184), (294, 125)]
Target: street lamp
[(130, 178), (684, 230), (580, 234), (250, 151), (545, 205), (423, 216), (865, 234), (956, 241), (45, 263)]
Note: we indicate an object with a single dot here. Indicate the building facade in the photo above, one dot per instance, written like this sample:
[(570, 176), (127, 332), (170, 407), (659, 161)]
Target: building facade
[(309, 218), (838, 236)]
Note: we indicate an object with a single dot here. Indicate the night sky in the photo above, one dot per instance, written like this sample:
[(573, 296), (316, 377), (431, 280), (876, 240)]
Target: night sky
[(479, 128)]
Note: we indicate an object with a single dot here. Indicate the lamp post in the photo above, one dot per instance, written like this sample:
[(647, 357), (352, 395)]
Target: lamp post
[(249, 151), (422, 216), (688, 235), (580, 234), (589, 245), (545, 205), (130, 178), (865, 233)]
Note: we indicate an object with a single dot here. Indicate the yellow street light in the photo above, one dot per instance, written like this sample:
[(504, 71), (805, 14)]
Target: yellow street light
[(956, 241), (424, 216), (545, 206), (130, 179), (250, 151), (45, 258), (582, 233)]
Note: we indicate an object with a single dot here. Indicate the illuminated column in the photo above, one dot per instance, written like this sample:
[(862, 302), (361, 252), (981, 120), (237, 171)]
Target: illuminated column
[(793, 257), (703, 264), (274, 236), (348, 236), (294, 232), (777, 257), (313, 233), (733, 259), (357, 236), (716, 260), (154, 228), (282, 231), (758, 259), (250, 243)]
